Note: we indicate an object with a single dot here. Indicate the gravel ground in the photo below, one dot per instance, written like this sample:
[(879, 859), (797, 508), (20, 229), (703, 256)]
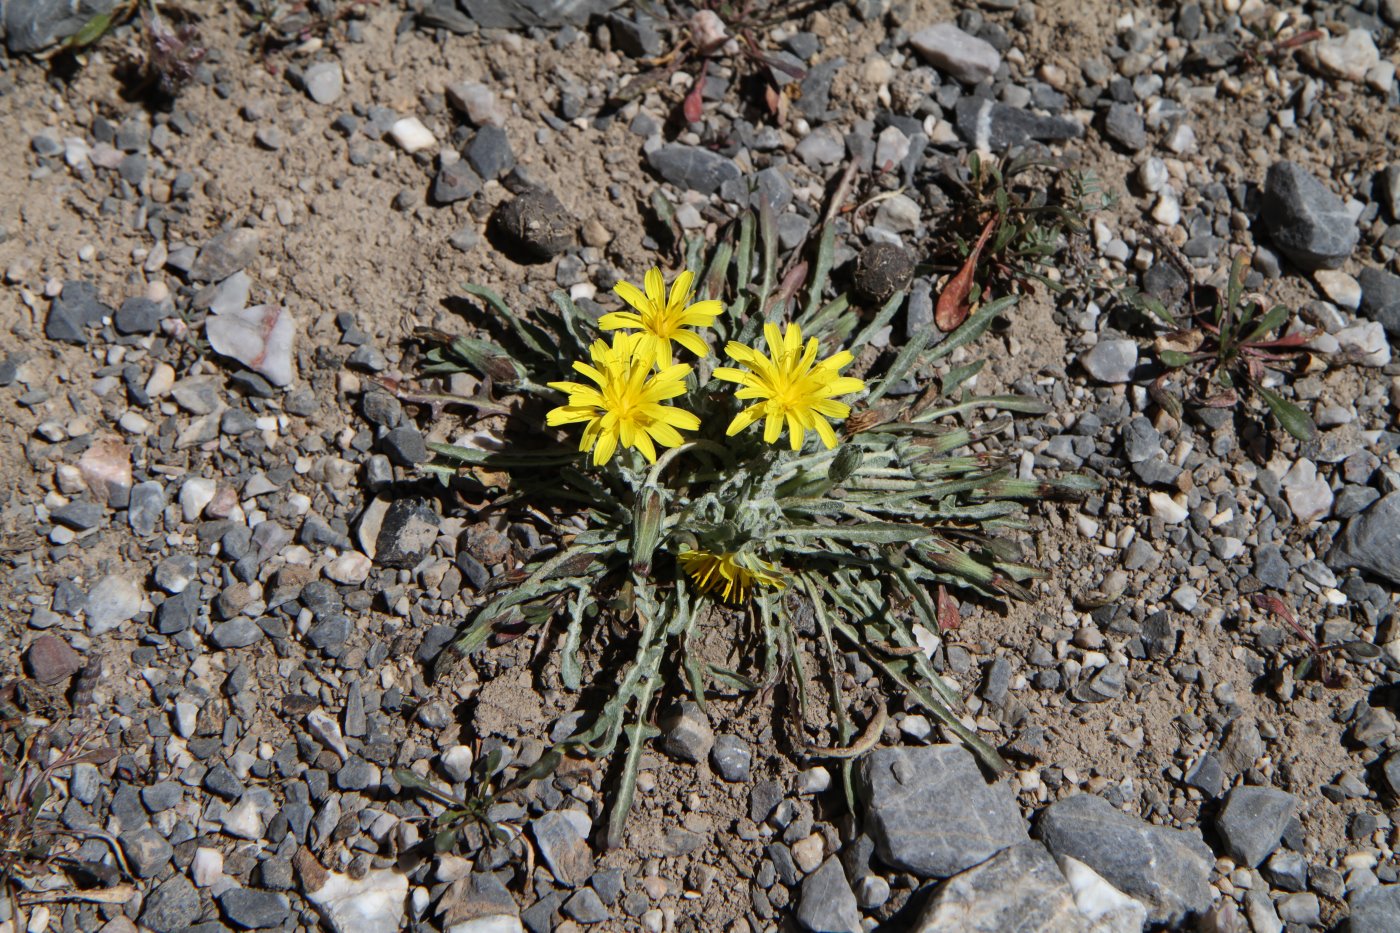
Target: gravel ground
[(226, 577)]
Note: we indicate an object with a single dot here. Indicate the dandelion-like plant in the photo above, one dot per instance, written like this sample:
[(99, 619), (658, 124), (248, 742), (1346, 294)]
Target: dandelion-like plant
[(853, 534)]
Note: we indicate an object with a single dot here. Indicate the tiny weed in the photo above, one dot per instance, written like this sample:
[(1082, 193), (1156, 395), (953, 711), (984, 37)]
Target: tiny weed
[(1227, 351)]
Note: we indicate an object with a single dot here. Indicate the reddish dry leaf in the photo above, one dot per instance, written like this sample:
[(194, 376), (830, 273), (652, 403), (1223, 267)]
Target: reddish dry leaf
[(948, 616), (694, 107), (953, 306)]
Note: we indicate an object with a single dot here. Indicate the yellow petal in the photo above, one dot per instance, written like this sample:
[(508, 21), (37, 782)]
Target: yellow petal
[(617, 319), (692, 342), (633, 296), (772, 427), (656, 289), (824, 431)]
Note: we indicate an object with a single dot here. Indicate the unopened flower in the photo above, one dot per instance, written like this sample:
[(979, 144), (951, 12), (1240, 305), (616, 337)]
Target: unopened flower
[(794, 388), (624, 407), (659, 319), (732, 575)]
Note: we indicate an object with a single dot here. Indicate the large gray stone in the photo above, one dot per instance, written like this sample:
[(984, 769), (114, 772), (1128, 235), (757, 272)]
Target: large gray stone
[(1019, 889), (965, 57), (1167, 869), (1371, 540), (1380, 298), (1305, 220), (827, 904), (1252, 822), (931, 812), (1376, 909), (563, 847), (987, 124), (31, 25), (519, 14), (692, 167)]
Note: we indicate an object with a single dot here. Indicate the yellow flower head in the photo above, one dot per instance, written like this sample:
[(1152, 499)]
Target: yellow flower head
[(793, 386), (624, 407), (661, 319), (732, 575)]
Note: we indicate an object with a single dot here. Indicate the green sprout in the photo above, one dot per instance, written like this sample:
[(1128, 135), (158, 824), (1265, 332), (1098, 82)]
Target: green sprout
[(1228, 351)]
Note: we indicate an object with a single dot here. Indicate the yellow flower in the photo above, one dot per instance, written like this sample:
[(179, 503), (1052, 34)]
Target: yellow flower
[(733, 575), (792, 388), (624, 407), (661, 319)]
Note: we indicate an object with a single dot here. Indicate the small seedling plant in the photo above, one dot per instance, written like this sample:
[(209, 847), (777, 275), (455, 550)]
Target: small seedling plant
[(712, 463), (1227, 351)]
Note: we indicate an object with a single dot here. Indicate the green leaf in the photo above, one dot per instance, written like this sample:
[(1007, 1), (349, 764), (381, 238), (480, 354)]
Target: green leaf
[(1294, 420), (94, 29), (527, 333), (1276, 317), (1174, 359)]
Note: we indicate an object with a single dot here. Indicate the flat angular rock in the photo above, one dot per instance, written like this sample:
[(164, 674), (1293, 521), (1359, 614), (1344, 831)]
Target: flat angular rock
[(375, 903), (225, 254), (1111, 361), (1305, 220), (1252, 822), (260, 338), (253, 909), (931, 812), (32, 25), (1376, 909), (1020, 889), (324, 82), (51, 660), (563, 848), (113, 600), (1380, 298), (1167, 869), (827, 904), (1371, 541), (410, 527), (455, 181), (518, 14), (965, 57), (692, 167), (174, 906), (76, 308), (479, 902), (987, 124)]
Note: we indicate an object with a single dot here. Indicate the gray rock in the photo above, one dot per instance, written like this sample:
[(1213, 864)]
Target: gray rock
[(479, 898), (138, 316), (731, 758), (1287, 871), (692, 167), (564, 850), (235, 633), (173, 907), (1167, 869), (1380, 298), (252, 909), (112, 600), (688, 733), (1302, 908), (143, 511), (520, 14), (1305, 220), (1111, 361), (455, 181), (489, 152), (146, 851), (162, 795), (586, 907), (1252, 822), (32, 25), (76, 308), (987, 124), (324, 82), (1371, 540), (1020, 889), (965, 57), (409, 529), (80, 515), (1124, 126), (405, 446), (931, 812), (225, 254), (827, 903), (1376, 909)]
